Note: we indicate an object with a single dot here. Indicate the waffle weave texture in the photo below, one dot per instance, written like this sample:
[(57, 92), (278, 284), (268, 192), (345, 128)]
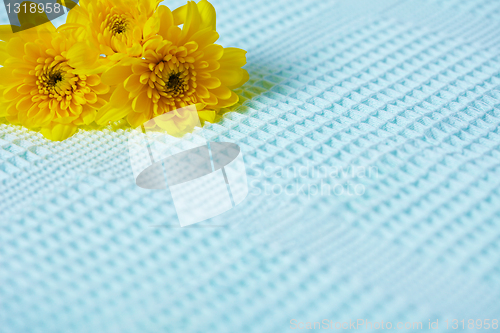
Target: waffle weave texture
[(410, 88)]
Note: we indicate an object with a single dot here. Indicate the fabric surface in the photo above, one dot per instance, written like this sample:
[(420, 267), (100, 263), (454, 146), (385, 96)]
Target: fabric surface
[(407, 89)]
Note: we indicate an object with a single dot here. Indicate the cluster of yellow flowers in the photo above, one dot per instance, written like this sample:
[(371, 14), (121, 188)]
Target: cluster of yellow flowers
[(116, 59)]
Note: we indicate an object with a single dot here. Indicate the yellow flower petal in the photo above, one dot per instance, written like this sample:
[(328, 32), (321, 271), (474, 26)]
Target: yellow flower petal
[(191, 23), (6, 32), (224, 103), (136, 119), (211, 83), (166, 20), (15, 47), (207, 13), (87, 116), (77, 15), (81, 55), (207, 115), (233, 57), (151, 28), (222, 92), (10, 93), (148, 6), (58, 132), (118, 107), (202, 92), (228, 77), (116, 75), (179, 14), (213, 51), (133, 83), (24, 104), (142, 102), (109, 113)]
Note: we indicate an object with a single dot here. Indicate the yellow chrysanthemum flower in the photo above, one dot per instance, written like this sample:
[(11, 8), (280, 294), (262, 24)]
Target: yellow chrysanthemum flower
[(40, 86), (113, 28), (178, 67)]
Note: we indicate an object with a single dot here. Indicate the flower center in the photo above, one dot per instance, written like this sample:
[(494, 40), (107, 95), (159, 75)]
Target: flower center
[(118, 25), (54, 78), (56, 81), (167, 76), (52, 81), (174, 83)]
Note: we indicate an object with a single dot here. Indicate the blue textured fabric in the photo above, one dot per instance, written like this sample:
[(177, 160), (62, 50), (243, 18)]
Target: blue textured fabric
[(408, 88)]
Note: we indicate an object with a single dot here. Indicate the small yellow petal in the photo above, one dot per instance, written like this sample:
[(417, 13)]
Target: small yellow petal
[(222, 92), (213, 51), (211, 83), (233, 57), (142, 102), (58, 132), (224, 103), (133, 83), (228, 77), (207, 115)]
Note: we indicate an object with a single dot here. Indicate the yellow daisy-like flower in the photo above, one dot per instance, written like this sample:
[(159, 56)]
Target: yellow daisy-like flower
[(112, 28), (178, 67), (40, 87)]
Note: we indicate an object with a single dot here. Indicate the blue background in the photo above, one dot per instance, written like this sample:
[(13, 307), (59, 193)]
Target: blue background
[(409, 87)]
